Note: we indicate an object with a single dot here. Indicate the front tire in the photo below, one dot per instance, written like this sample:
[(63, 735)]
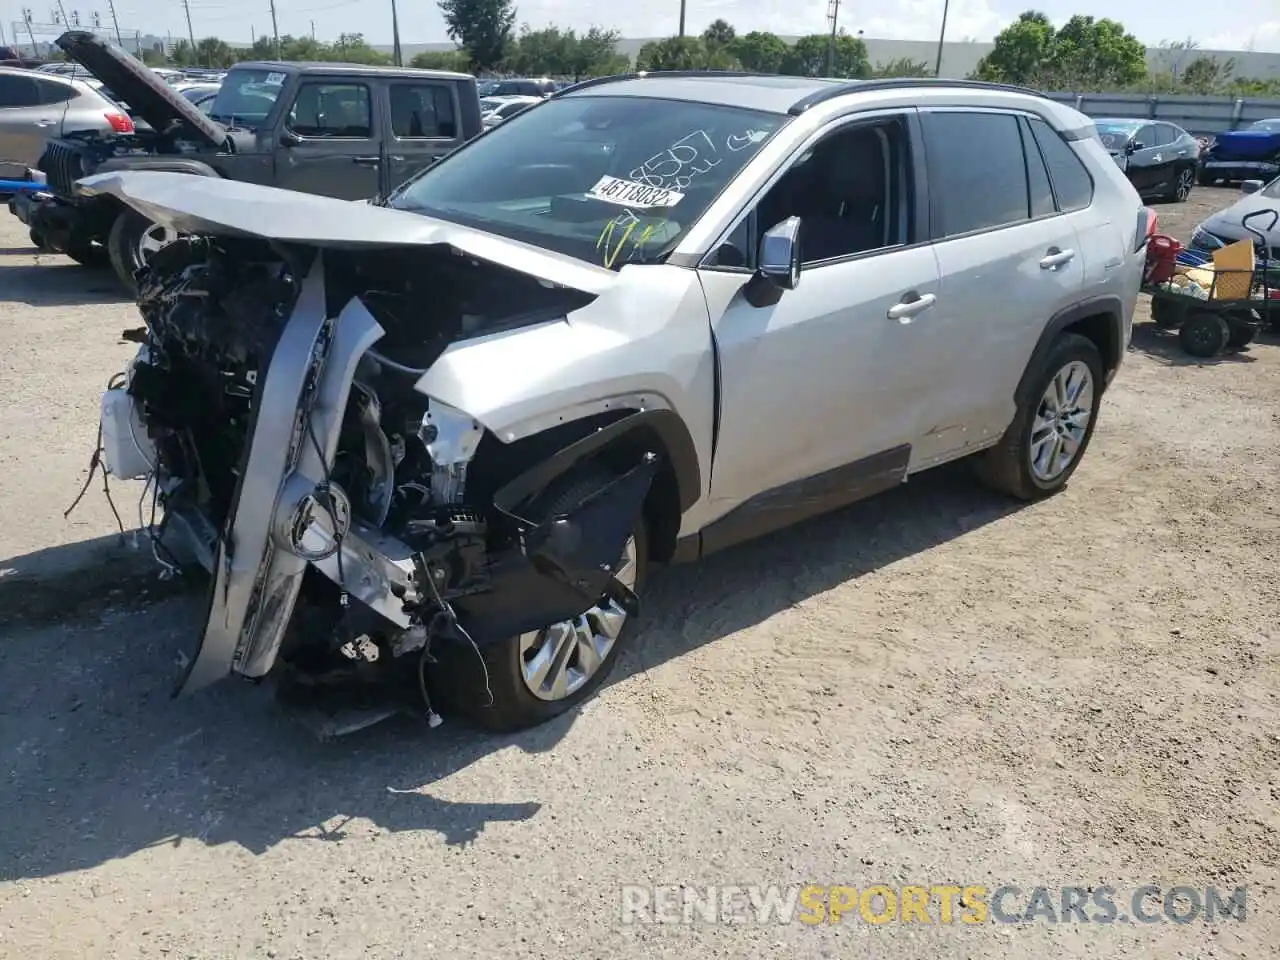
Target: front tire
[(542, 674), (130, 244), (1052, 428), (1183, 181), (1204, 335)]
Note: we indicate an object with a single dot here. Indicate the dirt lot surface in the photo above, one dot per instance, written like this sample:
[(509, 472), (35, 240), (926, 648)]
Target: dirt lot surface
[(931, 688)]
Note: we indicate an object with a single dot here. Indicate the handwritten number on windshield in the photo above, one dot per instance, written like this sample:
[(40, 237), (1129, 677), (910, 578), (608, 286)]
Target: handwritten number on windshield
[(675, 167)]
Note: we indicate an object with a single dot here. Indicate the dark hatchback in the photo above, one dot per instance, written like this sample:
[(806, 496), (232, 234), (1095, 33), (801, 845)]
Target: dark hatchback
[(1159, 158)]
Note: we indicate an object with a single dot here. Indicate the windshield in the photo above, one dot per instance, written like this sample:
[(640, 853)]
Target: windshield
[(1114, 134), (1268, 126), (246, 97), (609, 180)]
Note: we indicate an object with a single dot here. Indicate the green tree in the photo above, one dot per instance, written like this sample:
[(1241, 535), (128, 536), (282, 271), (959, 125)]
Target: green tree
[(1019, 52), (1206, 75), (719, 35), (182, 54), (760, 52), (212, 52), (455, 60), (596, 55), (353, 48), (682, 53), (808, 58), (903, 67), (482, 27), (542, 53), (1097, 53)]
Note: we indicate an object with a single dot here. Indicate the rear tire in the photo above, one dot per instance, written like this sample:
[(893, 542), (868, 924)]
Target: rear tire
[(1242, 335), (1031, 461), (88, 254), (1183, 180), (515, 706)]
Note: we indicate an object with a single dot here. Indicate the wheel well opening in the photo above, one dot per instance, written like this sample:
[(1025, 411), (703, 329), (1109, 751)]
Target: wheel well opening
[(1100, 328)]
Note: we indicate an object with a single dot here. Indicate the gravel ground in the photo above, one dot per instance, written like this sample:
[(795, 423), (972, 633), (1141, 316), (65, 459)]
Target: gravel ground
[(935, 687)]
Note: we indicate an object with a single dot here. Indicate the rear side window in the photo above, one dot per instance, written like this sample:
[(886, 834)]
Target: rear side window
[(977, 173), (18, 91), (1072, 185), (51, 92), (1041, 191), (423, 110)]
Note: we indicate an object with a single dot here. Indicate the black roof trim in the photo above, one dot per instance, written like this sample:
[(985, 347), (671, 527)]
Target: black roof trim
[(898, 83), (665, 74)]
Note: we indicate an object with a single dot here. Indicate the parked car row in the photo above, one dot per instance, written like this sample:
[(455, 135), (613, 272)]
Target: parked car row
[(340, 130)]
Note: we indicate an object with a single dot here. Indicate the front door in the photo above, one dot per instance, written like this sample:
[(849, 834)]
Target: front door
[(330, 141), (830, 375), (1146, 165), (423, 124)]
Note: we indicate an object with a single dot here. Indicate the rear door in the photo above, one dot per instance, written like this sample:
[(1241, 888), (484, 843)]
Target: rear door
[(423, 125), (25, 123), (330, 139), (1008, 262)]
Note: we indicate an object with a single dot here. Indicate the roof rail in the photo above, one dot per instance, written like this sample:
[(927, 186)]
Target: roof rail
[(892, 83), (641, 74)]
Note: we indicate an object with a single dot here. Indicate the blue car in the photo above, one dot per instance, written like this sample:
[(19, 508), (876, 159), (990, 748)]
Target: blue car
[(1249, 154)]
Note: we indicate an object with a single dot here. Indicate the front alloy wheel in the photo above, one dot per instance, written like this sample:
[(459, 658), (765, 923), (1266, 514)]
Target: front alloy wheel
[(558, 661)]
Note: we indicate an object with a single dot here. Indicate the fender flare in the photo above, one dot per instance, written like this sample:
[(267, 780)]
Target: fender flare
[(196, 168), (667, 428), (1109, 306)]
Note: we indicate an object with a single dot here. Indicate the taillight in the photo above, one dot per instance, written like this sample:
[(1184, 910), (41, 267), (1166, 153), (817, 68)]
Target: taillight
[(1146, 228), (120, 122)]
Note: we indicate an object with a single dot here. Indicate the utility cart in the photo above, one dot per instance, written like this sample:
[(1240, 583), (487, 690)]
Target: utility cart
[(1217, 300)]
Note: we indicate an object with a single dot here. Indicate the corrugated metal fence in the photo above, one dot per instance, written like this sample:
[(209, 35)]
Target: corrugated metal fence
[(1198, 115)]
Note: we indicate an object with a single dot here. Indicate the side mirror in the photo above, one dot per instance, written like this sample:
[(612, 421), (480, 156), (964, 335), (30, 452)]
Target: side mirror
[(779, 260), (1133, 146), (1251, 186), (777, 264), (289, 139)]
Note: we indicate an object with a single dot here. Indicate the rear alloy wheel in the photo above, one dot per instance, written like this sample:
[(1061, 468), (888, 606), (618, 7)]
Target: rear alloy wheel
[(132, 242), (1053, 425), (1183, 181)]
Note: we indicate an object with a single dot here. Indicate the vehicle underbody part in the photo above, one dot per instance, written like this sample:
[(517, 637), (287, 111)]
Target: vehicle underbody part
[(349, 522)]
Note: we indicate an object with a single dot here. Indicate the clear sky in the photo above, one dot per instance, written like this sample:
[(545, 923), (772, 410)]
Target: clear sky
[(1235, 24)]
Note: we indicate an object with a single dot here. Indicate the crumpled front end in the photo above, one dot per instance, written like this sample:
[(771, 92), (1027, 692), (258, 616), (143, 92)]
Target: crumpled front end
[(345, 518)]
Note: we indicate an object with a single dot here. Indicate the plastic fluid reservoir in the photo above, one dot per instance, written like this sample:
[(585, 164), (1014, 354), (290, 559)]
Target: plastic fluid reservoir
[(127, 451)]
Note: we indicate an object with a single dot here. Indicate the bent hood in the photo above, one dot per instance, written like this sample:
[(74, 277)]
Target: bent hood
[(137, 85), (208, 205)]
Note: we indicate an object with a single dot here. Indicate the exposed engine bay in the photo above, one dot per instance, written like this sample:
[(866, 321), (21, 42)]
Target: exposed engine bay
[(350, 522)]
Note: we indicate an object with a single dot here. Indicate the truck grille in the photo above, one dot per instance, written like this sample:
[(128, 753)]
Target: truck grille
[(62, 166)]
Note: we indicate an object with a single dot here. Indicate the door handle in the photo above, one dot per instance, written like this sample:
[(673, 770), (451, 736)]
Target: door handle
[(1055, 258), (910, 305), (45, 123), (366, 161)]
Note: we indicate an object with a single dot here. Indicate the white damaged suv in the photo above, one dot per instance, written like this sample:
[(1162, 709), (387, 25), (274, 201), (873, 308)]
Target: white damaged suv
[(646, 319)]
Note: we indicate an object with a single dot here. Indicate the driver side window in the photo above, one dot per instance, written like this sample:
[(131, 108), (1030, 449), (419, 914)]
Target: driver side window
[(849, 191)]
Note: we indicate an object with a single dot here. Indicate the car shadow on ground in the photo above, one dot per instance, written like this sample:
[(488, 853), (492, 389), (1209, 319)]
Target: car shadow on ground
[(1164, 347), (101, 762), (60, 282)]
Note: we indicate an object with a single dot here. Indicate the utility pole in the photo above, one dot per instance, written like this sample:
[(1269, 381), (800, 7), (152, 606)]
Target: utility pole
[(191, 33), (66, 22), (942, 35), (682, 6), (111, 5), (395, 36), (275, 29), (833, 14), (313, 31), (26, 18)]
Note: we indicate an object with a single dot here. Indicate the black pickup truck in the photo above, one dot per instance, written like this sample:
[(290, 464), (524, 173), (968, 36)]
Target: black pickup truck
[(336, 129)]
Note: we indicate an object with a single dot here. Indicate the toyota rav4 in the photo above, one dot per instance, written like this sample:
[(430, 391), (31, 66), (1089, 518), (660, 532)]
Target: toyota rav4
[(648, 318)]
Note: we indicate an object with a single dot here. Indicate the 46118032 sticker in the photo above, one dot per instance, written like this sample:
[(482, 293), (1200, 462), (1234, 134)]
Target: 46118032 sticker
[(628, 193)]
